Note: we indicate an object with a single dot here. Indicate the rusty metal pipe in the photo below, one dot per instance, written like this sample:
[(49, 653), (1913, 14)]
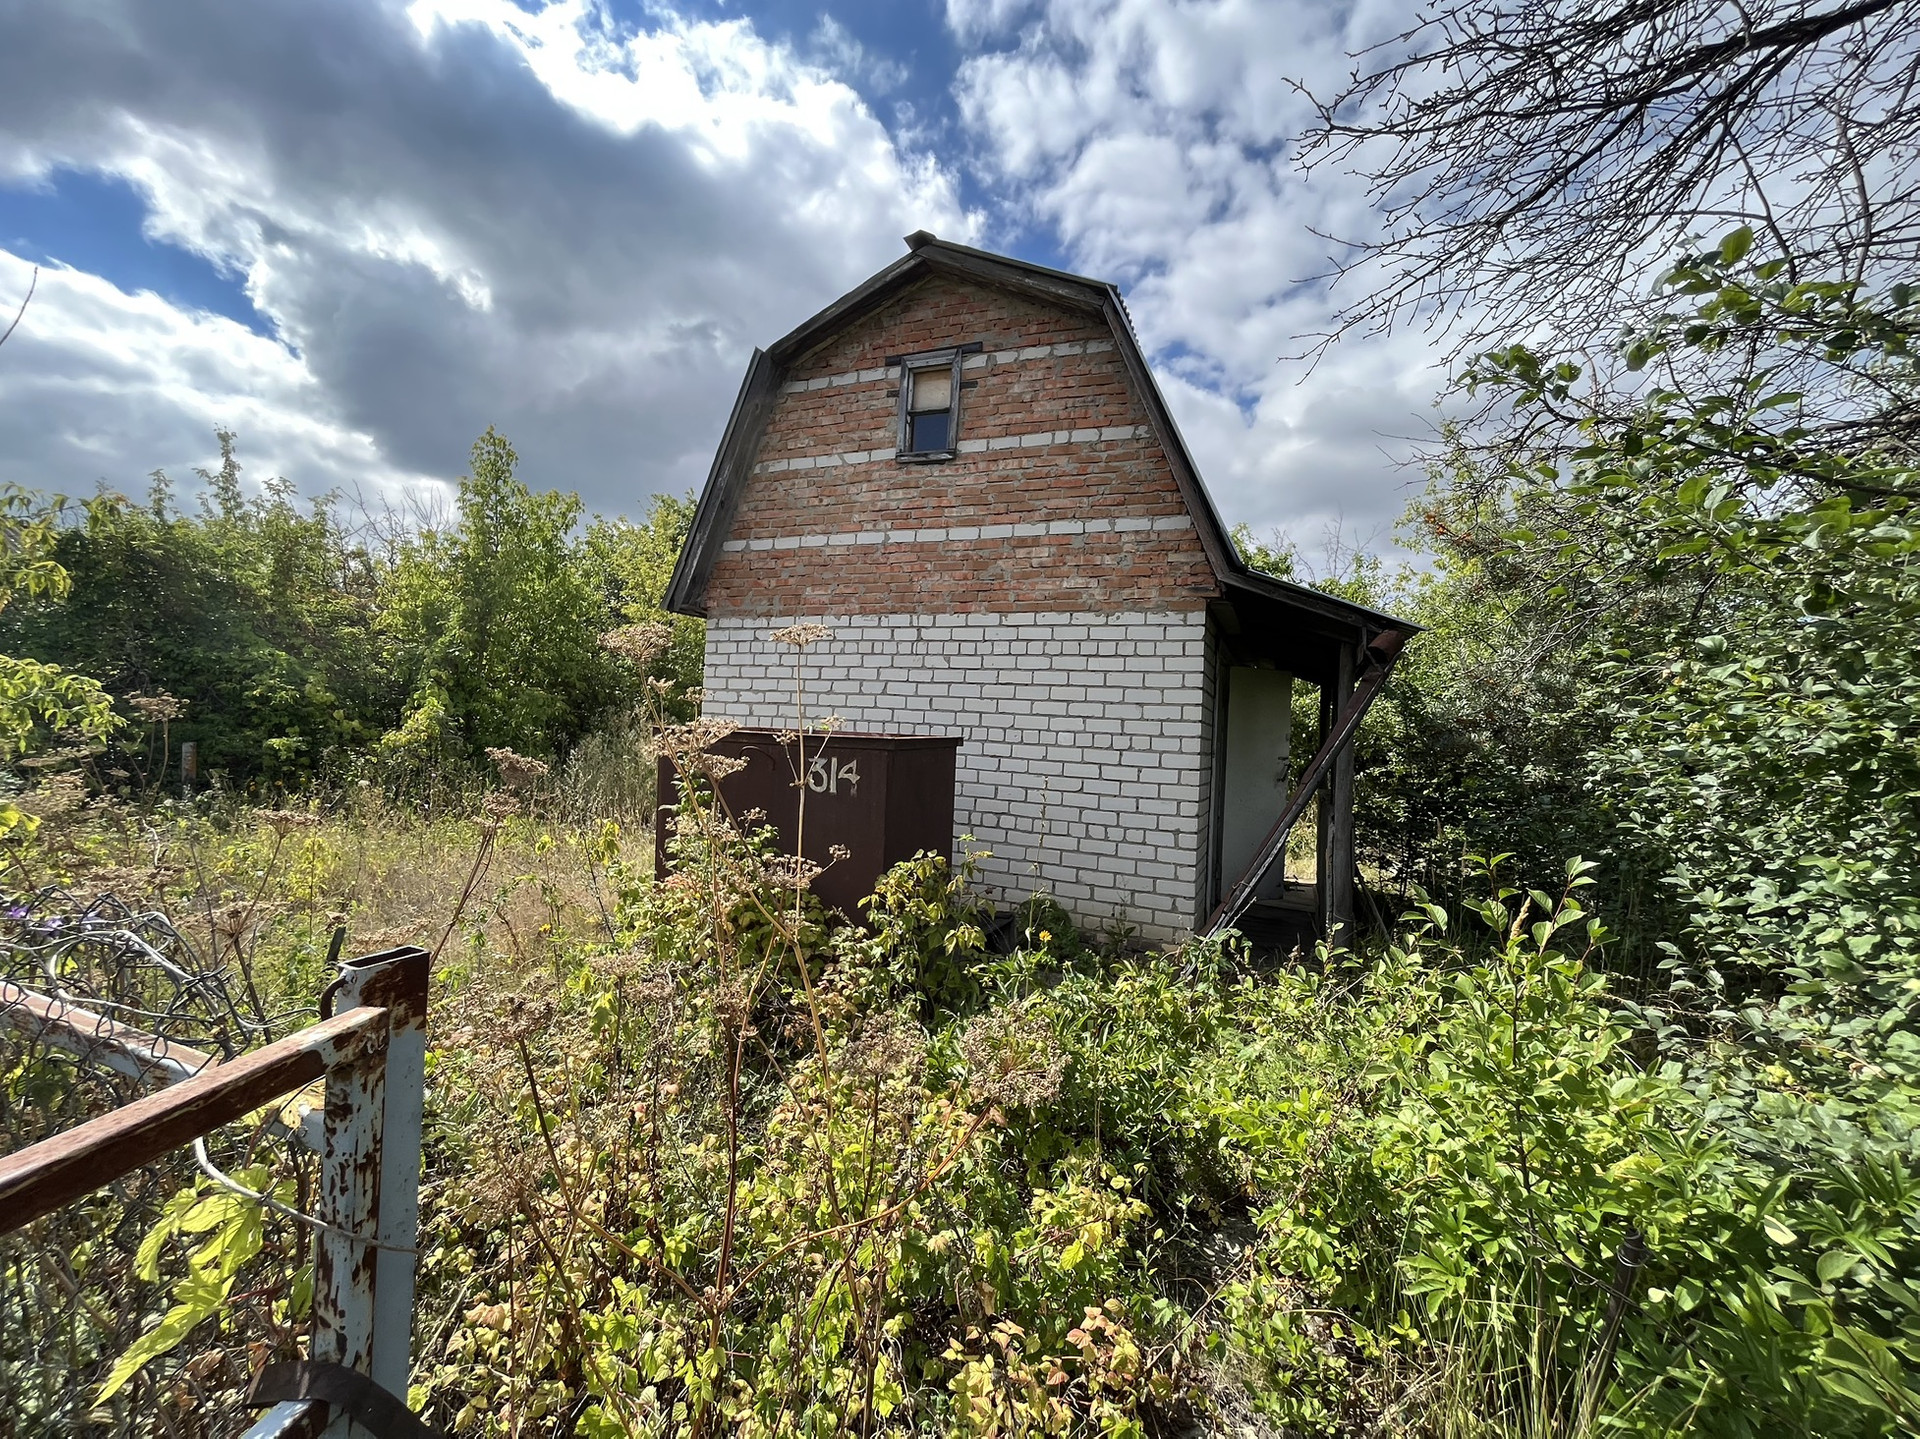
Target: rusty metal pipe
[(43, 1177), (120, 1047)]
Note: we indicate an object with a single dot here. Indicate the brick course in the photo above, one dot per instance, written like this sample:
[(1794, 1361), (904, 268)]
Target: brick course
[(1034, 573), (1080, 765), (930, 316), (1050, 432)]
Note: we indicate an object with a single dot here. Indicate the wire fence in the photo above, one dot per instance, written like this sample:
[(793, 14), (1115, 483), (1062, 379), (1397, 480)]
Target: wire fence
[(172, 1249)]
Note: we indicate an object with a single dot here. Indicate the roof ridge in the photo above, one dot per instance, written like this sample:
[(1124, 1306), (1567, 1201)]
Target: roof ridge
[(924, 239)]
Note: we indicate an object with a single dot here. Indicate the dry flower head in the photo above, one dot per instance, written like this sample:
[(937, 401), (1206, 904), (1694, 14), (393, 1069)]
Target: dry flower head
[(1012, 1057), (717, 767), (683, 741), (639, 644), (790, 871), (526, 1016), (234, 922), (799, 636), (57, 794), (65, 754), (888, 1044), (158, 707), (517, 771)]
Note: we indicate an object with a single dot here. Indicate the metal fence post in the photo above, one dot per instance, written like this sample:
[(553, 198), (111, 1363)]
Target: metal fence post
[(371, 1058), (349, 1205), (380, 1277)]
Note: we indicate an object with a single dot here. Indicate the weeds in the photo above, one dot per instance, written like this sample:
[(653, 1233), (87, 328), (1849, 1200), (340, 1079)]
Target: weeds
[(699, 1161)]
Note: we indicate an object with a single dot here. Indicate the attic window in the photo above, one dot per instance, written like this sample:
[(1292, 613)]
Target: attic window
[(930, 405)]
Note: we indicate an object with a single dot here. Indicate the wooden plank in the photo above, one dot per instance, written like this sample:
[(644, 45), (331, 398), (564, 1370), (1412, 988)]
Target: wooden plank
[(43, 1177), (1336, 879), (1074, 291), (1323, 812), (1381, 655)]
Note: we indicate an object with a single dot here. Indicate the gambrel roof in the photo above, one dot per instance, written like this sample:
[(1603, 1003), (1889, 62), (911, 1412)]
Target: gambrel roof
[(1255, 601)]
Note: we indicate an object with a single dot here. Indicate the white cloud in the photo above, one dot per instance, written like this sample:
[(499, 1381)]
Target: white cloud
[(1152, 139), (456, 214), (94, 376), (459, 213)]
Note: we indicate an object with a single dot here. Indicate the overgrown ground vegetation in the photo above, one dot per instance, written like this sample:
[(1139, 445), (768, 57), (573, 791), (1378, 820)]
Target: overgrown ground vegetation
[(1622, 1143)]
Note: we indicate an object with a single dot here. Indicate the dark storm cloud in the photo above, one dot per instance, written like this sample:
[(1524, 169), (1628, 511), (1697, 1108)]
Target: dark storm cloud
[(444, 240), (462, 213)]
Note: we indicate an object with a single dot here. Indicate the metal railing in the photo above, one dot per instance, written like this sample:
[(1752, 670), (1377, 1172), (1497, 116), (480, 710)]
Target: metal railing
[(369, 1053)]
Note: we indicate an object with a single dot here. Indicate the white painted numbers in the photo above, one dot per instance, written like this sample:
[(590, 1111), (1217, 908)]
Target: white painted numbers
[(824, 775)]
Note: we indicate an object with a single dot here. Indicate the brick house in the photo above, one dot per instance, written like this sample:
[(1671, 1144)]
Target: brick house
[(965, 469)]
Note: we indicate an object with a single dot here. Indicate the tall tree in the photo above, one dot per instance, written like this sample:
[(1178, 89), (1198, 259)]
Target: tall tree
[(1540, 160), (631, 563), (493, 627)]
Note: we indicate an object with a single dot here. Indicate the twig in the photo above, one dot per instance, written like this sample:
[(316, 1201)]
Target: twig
[(473, 880), (32, 285)]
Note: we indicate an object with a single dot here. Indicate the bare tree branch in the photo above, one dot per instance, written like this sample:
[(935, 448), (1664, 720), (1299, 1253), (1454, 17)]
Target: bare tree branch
[(1539, 160), (32, 285)]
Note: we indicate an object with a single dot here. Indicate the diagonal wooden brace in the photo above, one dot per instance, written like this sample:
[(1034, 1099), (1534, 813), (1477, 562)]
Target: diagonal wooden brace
[(1380, 657)]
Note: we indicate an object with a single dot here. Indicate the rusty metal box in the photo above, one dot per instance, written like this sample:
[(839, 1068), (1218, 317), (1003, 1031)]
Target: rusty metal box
[(883, 797)]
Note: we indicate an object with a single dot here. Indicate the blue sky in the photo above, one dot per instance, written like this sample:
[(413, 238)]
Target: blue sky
[(92, 221), (359, 233)]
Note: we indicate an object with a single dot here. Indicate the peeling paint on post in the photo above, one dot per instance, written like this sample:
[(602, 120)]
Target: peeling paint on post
[(395, 980), (370, 1180), (350, 1207), (373, 1058)]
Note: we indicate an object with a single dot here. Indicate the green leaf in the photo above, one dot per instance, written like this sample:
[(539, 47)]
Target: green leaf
[(197, 1300), (1834, 1263)]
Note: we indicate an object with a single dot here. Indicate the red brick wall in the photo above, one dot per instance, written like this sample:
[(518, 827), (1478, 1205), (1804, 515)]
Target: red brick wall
[(940, 312), (1122, 477)]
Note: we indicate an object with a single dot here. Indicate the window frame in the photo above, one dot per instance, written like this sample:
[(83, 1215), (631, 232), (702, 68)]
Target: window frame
[(930, 360)]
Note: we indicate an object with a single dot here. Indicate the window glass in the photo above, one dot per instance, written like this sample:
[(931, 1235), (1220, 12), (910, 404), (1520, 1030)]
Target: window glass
[(929, 431), (929, 410)]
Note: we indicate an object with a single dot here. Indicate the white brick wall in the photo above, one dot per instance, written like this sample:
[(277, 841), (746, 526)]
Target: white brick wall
[(1083, 764)]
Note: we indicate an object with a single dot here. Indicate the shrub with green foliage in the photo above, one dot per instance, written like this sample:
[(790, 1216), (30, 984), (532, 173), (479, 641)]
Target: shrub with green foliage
[(699, 1160), (255, 613), (492, 627), (290, 645), (1577, 1237)]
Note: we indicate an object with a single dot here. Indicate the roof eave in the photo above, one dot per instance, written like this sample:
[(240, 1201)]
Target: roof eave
[(1272, 587), (720, 496)]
